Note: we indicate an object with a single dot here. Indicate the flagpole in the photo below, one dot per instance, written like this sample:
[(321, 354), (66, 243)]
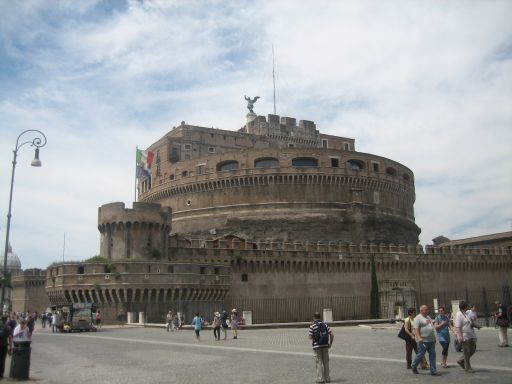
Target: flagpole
[(136, 149)]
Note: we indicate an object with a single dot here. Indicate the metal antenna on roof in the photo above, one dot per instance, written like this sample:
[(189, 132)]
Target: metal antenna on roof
[(274, 78)]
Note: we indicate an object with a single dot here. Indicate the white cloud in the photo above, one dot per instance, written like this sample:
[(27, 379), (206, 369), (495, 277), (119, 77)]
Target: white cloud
[(426, 84)]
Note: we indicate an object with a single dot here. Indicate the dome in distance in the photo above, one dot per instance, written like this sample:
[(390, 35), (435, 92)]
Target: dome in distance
[(13, 261)]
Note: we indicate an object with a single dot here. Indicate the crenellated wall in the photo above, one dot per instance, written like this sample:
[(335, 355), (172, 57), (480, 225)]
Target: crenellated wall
[(28, 294), (137, 233), (154, 287), (282, 281)]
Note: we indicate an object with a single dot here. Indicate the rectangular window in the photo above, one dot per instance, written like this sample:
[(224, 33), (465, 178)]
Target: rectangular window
[(325, 143), (335, 162), (211, 149), (245, 277), (171, 177), (187, 147), (346, 146), (202, 270), (291, 145), (184, 174), (174, 155), (170, 269), (375, 167), (216, 270), (201, 169)]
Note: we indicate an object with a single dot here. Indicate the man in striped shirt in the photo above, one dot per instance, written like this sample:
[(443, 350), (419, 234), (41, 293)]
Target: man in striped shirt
[(321, 336)]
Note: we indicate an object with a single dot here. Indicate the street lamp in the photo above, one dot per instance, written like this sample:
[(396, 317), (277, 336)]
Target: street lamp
[(38, 141)]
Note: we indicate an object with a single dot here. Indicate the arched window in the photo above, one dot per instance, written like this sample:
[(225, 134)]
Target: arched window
[(304, 162), (81, 270), (229, 165), (355, 165), (406, 177), (267, 162), (390, 171)]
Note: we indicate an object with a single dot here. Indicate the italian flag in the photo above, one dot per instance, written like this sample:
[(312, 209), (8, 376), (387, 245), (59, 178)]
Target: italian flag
[(144, 158)]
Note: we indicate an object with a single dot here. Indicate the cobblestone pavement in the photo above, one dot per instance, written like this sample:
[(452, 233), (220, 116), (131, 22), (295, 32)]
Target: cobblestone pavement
[(145, 355)]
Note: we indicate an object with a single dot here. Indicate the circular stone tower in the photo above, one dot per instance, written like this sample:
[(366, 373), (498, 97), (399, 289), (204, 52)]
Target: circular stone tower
[(278, 180), (137, 233)]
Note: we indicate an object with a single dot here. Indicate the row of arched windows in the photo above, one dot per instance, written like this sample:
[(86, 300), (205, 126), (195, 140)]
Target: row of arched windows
[(268, 162), (271, 162)]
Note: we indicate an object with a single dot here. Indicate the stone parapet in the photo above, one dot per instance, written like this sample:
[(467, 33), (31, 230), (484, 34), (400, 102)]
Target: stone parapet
[(314, 249)]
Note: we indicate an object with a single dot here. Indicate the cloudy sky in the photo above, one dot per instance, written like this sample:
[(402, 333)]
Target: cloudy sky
[(428, 84)]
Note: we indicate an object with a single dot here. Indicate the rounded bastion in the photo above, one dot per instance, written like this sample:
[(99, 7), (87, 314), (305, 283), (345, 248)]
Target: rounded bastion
[(137, 233), (277, 180)]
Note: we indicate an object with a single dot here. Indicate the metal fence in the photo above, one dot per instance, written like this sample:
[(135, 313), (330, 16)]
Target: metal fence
[(484, 300)]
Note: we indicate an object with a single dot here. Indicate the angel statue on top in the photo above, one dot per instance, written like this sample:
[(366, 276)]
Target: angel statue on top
[(250, 103)]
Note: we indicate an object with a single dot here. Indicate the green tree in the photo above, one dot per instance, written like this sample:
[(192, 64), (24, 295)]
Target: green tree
[(374, 294)]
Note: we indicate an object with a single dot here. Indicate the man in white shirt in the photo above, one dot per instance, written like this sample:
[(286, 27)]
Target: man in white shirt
[(425, 336), (21, 332), (465, 332)]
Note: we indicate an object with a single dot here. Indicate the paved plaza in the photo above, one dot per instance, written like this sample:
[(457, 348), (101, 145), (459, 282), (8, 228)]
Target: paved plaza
[(360, 354)]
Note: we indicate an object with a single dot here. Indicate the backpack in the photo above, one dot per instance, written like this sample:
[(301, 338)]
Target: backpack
[(321, 335)]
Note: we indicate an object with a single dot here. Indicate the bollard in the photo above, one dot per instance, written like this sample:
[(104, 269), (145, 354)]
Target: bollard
[(327, 315), (20, 360)]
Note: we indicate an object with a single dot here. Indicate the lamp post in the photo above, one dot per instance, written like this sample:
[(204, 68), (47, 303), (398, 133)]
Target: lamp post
[(38, 140)]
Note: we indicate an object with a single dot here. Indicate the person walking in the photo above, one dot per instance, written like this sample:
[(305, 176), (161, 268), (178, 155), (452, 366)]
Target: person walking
[(322, 338), (55, 322), (31, 323), (443, 327), (410, 342), (5, 343), (169, 321), (234, 323), (224, 324), (502, 321), (44, 317), (197, 322), (465, 333), (426, 339), (12, 321), (99, 317), (216, 326)]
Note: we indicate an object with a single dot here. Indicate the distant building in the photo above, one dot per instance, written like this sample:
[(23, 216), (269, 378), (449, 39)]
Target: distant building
[(503, 239)]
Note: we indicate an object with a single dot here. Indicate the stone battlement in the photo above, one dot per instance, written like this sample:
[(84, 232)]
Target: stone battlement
[(115, 213), (339, 248), (140, 232), (283, 126)]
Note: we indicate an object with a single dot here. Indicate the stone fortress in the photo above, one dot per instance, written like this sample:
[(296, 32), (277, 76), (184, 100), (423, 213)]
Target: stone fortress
[(278, 219)]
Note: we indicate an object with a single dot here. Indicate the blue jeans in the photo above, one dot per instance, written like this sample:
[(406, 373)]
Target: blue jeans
[(424, 347)]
